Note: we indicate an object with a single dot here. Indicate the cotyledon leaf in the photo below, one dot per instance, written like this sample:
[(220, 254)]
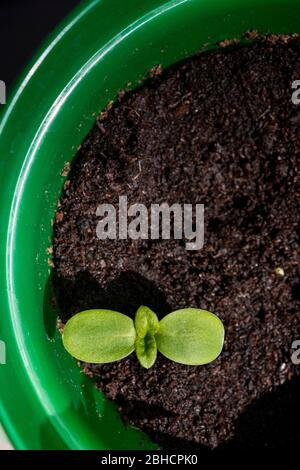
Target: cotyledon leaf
[(99, 336), (146, 324), (145, 321), (146, 350), (190, 336)]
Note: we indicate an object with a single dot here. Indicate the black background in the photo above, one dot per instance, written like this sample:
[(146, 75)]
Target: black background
[(24, 24)]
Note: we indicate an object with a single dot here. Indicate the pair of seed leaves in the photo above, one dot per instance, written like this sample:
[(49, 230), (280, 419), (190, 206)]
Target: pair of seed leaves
[(188, 336)]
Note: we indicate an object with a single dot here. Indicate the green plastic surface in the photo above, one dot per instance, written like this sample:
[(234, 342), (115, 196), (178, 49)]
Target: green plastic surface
[(45, 401)]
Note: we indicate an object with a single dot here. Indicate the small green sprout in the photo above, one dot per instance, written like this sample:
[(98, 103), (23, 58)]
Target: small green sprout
[(188, 336), (146, 326)]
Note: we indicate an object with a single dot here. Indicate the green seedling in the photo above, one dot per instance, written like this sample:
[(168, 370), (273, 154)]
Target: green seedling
[(188, 336)]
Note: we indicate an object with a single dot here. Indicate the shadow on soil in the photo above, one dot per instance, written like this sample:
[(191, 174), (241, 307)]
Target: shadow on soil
[(124, 294), (271, 421)]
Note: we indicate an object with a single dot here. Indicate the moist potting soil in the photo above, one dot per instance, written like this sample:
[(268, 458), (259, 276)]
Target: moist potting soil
[(218, 129)]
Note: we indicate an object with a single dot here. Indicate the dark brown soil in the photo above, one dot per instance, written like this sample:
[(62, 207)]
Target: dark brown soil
[(219, 129)]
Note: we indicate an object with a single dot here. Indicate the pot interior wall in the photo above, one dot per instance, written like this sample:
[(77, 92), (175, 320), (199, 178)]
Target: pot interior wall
[(46, 402)]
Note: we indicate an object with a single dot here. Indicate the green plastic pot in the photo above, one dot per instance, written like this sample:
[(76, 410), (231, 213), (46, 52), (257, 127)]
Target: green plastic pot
[(46, 402)]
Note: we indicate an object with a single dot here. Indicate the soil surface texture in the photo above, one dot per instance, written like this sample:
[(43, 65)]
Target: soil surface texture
[(219, 129)]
